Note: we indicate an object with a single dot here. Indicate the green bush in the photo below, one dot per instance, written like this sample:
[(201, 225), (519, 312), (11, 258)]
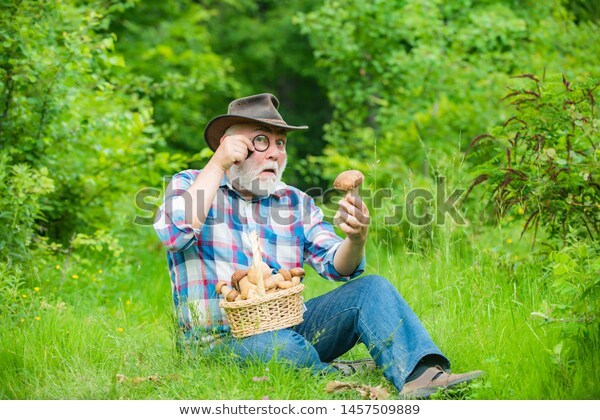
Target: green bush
[(64, 109), (574, 283), (21, 189), (168, 58), (411, 82), (543, 161)]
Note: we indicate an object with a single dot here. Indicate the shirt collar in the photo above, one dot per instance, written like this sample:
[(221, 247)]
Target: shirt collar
[(279, 189)]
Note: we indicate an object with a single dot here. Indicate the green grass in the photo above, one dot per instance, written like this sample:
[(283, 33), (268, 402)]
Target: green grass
[(475, 294)]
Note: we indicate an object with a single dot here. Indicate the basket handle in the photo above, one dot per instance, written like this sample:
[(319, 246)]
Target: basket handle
[(257, 262)]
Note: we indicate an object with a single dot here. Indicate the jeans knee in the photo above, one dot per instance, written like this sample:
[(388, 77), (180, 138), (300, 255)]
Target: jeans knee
[(377, 284), (289, 342)]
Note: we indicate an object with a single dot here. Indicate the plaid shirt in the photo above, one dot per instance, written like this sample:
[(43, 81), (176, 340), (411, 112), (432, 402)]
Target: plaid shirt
[(290, 228)]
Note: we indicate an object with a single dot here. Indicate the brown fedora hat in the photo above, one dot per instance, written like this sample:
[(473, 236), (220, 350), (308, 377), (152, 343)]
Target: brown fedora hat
[(261, 108)]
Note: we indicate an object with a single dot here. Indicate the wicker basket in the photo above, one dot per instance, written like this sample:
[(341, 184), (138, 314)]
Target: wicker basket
[(271, 312)]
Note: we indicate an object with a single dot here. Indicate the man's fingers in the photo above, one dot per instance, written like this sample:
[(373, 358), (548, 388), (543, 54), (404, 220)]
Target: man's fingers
[(342, 217), (358, 202), (348, 229), (239, 153), (361, 213), (248, 143), (239, 141)]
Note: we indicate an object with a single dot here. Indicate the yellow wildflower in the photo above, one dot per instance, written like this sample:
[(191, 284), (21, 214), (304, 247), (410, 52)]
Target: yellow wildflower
[(24, 296), (509, 241), (120, 330), (128, 302), (37, 318), (75, 276), (36, 289), (100, 271), (521, 210), (57, 267)]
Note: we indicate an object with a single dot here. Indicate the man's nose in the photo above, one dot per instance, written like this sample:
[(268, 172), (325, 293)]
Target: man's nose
[(272, 152)]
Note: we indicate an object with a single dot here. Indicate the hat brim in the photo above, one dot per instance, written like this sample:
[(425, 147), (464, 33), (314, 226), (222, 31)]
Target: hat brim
[(217, 126)]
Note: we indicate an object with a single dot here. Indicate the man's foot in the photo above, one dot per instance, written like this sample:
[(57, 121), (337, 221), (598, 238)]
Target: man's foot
[(434, 379), (350, 367)]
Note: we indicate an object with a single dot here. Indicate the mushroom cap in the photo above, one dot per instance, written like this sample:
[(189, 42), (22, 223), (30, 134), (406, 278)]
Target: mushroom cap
[(348, 180), (297, 272), (220, 285), (237, 276)]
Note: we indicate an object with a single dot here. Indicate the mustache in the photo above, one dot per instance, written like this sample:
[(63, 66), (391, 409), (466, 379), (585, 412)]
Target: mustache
[(250, 170), (272, 165)]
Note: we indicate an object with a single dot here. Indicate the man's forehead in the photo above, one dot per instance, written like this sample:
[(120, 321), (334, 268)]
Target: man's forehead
[(269, 129)]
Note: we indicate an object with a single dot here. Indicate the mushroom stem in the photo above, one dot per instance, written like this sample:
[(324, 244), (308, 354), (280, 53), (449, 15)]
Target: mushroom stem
[(352, 193), (229, 294), (246, 287)]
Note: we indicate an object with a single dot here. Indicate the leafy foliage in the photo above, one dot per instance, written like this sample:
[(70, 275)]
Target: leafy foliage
[(21, 188), (168, 59), (544, 160), (411, 82), (101, 99), (575, 282), (64, 110), (269, 53)]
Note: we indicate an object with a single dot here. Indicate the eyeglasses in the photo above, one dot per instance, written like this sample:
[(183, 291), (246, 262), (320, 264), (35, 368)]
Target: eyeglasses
[(261, 143)]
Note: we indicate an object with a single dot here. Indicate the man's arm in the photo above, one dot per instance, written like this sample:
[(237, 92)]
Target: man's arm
[(202, 192), (355, 219), (188, 201)]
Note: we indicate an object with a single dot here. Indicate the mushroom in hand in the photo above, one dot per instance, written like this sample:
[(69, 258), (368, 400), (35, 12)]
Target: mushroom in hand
[(348, 181)]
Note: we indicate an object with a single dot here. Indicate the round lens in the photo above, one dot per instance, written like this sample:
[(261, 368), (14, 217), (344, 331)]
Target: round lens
[(261, 143)]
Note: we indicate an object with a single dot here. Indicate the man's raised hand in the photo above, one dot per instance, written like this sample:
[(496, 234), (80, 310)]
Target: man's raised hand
[(233, 149)]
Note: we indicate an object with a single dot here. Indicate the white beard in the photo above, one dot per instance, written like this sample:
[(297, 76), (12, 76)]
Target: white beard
[(245, 176)]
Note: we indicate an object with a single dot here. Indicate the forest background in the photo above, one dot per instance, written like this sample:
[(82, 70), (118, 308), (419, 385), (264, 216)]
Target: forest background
[(474, 121)]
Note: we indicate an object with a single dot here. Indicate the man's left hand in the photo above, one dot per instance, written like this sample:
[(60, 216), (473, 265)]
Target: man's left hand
[(353, 218)]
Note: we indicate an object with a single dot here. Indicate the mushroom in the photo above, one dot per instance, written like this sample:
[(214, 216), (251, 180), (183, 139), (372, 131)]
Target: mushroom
[(349, 181), (270, 282), (296, 275), (240, 282), (228, 293), (236, 277), (280, 281), (252, 292), (286, 274), (219, 286), (246, 288), (232, 296)]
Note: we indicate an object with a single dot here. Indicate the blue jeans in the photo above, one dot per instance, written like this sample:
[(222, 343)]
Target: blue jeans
[(367, 310)]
